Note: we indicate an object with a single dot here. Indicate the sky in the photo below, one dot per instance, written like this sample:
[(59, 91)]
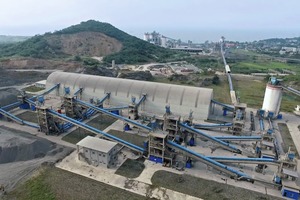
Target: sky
[(197, 20)]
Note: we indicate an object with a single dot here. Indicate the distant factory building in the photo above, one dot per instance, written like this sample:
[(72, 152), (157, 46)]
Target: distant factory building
[(181, 99), (97, 152), (154, 38), (160, 40)]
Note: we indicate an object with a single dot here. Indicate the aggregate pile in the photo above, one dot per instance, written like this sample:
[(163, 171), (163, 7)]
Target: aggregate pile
[(8, 96), (21, 148), (21, 154)]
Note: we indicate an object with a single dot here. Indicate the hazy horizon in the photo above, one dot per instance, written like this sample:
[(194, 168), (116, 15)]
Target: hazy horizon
[(196, 20), (200, 36)]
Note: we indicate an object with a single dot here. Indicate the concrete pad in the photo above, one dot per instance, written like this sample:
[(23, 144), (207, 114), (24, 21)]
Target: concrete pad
[(107, 176)]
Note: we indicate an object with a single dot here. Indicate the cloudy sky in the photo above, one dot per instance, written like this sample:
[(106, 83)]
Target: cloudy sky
[(188, 19)]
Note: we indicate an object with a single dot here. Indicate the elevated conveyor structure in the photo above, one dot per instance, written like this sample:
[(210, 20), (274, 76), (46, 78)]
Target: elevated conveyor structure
[(292, 90), (141, 100), (225, 64), (239, 138), (101, 101), (16, 104), (96, 131), (244, 160), (11, 106), (261, 124), (228, 107), (18, 120), (116, 108), (79, 91), (114, 115), (223, 144), (88, 114), (208, 126), (210, 162)]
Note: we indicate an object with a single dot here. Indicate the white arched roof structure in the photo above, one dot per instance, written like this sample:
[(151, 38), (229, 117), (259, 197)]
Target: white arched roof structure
[(182, 99)]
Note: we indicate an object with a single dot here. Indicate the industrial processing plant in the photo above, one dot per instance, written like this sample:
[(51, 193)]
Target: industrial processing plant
[(183, 129)]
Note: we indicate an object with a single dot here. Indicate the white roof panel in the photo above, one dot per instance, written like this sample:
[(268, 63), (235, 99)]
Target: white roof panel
[(41, 82), (96, 144), (290, 172), (182, 99)]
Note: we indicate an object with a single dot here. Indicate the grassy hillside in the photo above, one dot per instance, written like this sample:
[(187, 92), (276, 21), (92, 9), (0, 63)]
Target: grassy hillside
[(133, 50), (6, 39)]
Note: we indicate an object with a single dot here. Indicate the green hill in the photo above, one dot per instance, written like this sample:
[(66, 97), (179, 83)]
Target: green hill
[(7, 39), (100, 37)]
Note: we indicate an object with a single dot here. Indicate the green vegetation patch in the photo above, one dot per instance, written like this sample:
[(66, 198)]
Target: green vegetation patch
[(221, 92), (248, 67), (33, 88), (205, 62), (131, 168), (134, 49), (289, 102), (54, 183), (34, 189), (286, 137), (250, 91), (201, 188)]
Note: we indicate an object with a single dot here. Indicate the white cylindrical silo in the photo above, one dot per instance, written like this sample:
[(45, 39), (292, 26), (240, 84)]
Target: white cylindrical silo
[(272, 99)]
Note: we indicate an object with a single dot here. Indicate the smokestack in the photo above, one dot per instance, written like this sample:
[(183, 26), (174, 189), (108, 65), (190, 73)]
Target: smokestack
[(113, 63)]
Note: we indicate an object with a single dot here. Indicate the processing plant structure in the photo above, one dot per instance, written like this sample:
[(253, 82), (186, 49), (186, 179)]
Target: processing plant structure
[(173, 120)]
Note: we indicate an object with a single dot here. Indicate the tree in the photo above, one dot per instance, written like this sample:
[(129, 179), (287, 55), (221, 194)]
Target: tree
[(216, 80)]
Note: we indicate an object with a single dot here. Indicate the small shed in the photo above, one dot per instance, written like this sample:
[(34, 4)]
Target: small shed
[(97, 152), (40, 84), (290, 192)]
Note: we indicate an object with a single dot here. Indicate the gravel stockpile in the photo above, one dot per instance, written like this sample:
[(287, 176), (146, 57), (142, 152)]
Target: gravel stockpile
[(22, 153), (10, 78), (22, 147), (8, 96)]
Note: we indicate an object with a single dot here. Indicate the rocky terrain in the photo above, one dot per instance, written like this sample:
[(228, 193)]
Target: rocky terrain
[(93, 44)]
